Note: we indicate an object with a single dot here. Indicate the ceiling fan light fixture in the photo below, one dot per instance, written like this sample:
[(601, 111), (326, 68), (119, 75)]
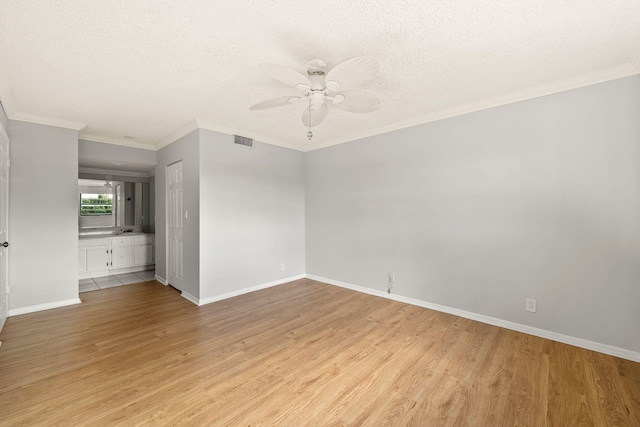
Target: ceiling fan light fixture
[(338, 98), (332, 86), (322, 87)]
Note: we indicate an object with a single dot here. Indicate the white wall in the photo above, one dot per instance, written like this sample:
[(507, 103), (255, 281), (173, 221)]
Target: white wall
[(537, 199), (43, 261), (187, 150), (251, 214)]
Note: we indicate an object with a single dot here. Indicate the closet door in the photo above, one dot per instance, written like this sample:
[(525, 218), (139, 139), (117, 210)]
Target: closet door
[(175, 223)]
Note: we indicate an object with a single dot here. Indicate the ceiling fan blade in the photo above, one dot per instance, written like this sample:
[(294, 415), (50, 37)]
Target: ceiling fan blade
[(358, 101), (272, 103), (354, 72), (285, 75), (317, 116)]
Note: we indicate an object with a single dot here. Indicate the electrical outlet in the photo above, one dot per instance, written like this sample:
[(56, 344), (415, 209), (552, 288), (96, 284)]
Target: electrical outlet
[(391, 278), (530, 305), (282, 267)]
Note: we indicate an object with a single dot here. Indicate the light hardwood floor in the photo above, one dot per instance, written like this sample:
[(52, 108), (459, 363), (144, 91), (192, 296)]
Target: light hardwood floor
[(303, 353)]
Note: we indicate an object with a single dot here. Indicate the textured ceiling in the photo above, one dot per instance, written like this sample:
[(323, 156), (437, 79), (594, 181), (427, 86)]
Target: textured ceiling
[(154, 70)]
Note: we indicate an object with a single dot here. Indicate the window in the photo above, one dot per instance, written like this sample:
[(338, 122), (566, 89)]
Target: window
[(96, 204)]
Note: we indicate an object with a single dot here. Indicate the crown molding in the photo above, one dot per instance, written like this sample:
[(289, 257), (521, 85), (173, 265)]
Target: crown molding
[(48, 121), (116, 141), (183, 130), (558, 86)]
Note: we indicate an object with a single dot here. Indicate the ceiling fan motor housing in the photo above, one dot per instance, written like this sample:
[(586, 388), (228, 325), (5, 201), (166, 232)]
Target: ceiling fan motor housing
[(316, 67)]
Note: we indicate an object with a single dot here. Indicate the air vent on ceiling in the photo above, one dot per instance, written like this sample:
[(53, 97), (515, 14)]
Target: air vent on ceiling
[(243, 140)]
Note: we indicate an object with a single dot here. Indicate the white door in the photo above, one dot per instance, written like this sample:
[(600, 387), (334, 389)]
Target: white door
[(175, 215), (4, 226)]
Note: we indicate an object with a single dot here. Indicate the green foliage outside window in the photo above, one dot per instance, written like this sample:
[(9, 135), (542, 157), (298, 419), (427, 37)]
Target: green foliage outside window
[(96, 204)]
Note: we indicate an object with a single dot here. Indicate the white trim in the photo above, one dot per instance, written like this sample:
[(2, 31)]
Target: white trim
[(190, 298), (161, 280), (232, 294), (543, 333), (48, 121), (41, 307), (183, 130)]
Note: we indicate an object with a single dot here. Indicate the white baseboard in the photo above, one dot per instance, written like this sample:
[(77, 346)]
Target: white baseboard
[(190, 298), (161, 280), (41, 307), (220, 297), (543, 333)]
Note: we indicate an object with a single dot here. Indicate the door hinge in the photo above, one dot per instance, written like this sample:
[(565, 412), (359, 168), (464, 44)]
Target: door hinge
[(8, 162)]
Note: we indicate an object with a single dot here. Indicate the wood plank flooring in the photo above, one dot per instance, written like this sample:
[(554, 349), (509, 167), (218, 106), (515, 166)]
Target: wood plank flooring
[(303, 353)]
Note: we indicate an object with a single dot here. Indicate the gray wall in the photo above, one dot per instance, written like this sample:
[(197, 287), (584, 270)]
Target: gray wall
[(139, 159), (537, 199), (187, 150), (43, 262), (251, 214)]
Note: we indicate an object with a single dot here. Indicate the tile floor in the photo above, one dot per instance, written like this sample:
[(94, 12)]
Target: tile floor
[(96, 283)]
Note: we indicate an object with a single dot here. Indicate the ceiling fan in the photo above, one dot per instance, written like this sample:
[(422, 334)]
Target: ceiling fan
[(320, 88)]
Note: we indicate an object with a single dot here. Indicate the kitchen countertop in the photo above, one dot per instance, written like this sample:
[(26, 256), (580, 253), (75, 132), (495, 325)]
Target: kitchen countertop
[(103, 234)]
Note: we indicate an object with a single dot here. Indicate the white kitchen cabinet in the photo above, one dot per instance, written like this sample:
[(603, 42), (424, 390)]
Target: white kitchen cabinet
[(143, 250), (122, 252), (143, 255), (122, 257), (114, 255), (93, 257), (97, 259)]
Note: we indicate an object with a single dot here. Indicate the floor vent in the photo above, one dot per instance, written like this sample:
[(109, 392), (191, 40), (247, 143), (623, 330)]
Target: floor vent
[(243, 140)]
